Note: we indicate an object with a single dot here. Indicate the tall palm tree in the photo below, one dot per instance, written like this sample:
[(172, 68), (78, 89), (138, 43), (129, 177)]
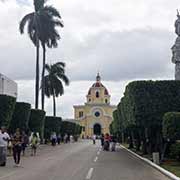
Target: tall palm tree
[(49, 37), (32, 20), (53, 81), (41, 27)]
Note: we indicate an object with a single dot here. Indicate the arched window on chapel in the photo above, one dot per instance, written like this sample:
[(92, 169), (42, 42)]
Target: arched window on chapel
[(97, 94)]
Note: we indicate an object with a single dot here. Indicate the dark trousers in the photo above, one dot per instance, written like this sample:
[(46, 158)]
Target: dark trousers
[(53, 142), (102, 142), (3, 153), (17, 154), (59, 141)]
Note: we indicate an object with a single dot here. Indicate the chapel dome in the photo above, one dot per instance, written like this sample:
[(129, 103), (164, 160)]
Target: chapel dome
[(97, 85)]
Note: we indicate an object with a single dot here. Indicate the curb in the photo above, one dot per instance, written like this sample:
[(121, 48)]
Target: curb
[(162, 170)]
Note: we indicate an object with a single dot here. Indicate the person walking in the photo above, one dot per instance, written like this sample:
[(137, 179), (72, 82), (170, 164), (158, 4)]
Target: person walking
[(34, 143), (10, 146), (25, 142), (17, 147), (113, 143), (4, 138), (65, 138), (59, 139), (71, 138), (102, 140), (94, 139), (53, 139), (107, 140)]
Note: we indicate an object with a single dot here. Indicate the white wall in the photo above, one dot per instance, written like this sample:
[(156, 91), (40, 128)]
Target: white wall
[(7, 86)]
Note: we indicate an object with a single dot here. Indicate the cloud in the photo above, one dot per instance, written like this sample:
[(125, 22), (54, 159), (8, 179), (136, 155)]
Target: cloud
[(23, 2), (121, 39), (140, 53), (118, 55)]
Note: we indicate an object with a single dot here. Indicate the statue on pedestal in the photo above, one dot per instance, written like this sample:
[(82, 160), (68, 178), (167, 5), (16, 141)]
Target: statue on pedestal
[(176, 49), (177, 24)]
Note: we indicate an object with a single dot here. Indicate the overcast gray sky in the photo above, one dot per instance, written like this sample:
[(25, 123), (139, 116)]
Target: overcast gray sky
[(124, 40)]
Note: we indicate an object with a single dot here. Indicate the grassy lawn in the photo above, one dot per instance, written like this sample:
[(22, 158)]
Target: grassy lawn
[(172, 166), (125, 145), (138, 152)]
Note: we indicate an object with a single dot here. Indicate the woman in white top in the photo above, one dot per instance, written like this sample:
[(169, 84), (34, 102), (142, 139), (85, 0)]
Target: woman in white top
[(4, 138)]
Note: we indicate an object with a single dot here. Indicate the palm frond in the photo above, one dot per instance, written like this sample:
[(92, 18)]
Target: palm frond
[(58, 68), (52, 11), (48, 68), (31, 31), (52, 42), (26, 19), (58, 22), (49, 35), (38, 25), (60, 64), (48, 89), (64, 78), (58, 87)]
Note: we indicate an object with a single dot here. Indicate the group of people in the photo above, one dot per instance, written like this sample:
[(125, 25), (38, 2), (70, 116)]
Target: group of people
[(16, 143), (108, 142), (57, 139)]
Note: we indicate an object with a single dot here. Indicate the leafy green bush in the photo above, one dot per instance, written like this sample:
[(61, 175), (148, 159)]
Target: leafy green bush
[(36, 121), (175, 151), (20, 118), (171, 125), (7, 105), (52, 124)]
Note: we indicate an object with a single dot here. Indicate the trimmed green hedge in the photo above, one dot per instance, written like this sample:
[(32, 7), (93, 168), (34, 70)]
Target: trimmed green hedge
[(78, 129), (52, 124), (70, 128), (36, 121), (142, 109), (7, 105), (117, 122), (171, 125), (20, 118), (148, 101)]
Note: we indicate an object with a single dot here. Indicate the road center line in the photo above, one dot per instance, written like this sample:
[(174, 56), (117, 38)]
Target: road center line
[(96, 158), (89, 175)]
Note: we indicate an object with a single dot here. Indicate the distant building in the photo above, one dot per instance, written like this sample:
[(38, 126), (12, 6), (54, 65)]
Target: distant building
[(7, 86), (95, 116)]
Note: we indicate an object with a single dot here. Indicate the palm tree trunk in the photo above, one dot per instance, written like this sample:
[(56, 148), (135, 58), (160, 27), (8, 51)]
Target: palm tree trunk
[(54, 105), (42, 78), (37, 75)]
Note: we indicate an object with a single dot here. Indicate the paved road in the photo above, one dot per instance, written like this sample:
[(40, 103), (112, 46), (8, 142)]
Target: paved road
[(80, 161)]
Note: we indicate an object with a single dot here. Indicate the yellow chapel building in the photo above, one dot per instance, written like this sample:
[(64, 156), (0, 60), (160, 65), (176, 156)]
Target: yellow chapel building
[(96, 115)]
